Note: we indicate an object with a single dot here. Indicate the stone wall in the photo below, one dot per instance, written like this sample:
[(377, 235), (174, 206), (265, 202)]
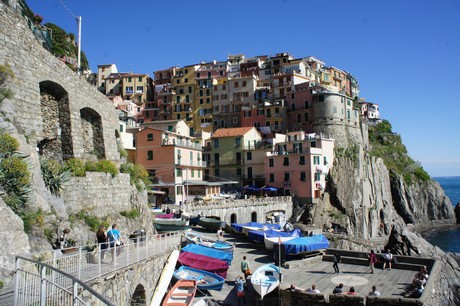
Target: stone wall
[(121, 286), (241, 208), (37, 72)]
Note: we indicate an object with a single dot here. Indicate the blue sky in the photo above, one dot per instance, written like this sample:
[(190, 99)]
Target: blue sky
[(405, 54)]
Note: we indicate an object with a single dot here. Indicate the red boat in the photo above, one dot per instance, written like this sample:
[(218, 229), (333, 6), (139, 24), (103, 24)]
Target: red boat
[(202, 262), (181, 294)]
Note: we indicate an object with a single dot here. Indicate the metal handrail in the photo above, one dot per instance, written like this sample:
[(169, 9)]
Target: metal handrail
[(57, 294), (84, 263)]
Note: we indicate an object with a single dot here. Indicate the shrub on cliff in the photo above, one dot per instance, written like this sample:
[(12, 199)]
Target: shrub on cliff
[(388, 145), (139, 177), (107, 166), (5, 74), (75, 166)]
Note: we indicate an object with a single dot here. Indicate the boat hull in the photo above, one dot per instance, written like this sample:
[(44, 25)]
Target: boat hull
[(266, 279), (205, 280), (211, 224), (164, 228), (181, 294), (165, 278), (195, 238)]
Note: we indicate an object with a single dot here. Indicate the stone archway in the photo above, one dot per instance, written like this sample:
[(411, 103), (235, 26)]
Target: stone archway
[(139, 297), (233, 218), (254, 216), (55, 142), (92, 134)]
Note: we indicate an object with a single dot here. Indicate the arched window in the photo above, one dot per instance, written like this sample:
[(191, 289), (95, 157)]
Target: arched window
[(233, 218), (253, 216)]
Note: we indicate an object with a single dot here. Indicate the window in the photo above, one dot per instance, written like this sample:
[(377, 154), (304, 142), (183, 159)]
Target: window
[(185, 80), (305, 115), (140, 79), (334, 109), (249, 155), (177, 99), (317, 176), (286, 161), (201, 101), (149, 137), (178, 81), (325, 160), (244, 83), (129, 89), (179, 190), (303, 176), (287, 177), (121, 128), (238, 171), (301, 160), (193, 173), (238, 157), (272, 177), (178, 172), (140, 89), (316, 160), (313, 144), (271, 162), (199, 173), (187, 98), (129, 79), (306, 104), (191, 156), (348, 114), (149, 155), (216, 143), (236, 85), (190, 89), (237, 142), (198, 75), (299, 118)]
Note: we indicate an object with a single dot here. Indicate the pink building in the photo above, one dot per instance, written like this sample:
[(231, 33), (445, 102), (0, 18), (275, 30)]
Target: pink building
[(299, 165)]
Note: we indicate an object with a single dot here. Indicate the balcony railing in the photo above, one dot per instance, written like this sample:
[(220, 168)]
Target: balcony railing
[(181, 143)]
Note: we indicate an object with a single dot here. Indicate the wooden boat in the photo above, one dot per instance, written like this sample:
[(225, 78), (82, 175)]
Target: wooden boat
[(165, 279), (181, 294), (205, 280), (196, 238), (266, 279), (211, 223), (170, 225)]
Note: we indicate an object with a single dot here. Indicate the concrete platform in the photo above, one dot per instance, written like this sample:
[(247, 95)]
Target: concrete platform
[(389, 283)]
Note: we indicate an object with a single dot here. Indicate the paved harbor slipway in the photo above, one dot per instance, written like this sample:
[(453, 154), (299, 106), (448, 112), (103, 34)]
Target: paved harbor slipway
[(389, 283)]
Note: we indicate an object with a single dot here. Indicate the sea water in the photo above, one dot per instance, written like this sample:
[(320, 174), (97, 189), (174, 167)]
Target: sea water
[(447, 238)]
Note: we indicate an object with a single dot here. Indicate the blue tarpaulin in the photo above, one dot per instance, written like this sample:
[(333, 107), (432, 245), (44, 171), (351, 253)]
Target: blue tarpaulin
[(239, 226), (202, 250), (258, 236), (305, 244)]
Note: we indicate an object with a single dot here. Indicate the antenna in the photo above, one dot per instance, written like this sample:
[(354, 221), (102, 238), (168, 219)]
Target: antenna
[(78, 19)]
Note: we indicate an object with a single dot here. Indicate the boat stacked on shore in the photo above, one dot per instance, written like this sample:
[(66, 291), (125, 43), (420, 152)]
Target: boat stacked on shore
[(205, 260), (169, 223)]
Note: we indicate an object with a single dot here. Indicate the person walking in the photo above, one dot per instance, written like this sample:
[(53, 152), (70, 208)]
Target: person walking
[(245, 267), (240, 282), (220, 234), (372, 260), (102, 240), (337, 259), (387, 259), (114, 236)]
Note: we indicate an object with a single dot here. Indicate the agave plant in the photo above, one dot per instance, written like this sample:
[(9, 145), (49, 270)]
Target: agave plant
[(54, 175)]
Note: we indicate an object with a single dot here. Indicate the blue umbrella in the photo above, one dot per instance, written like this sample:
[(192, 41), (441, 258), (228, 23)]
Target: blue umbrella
[(270, 188)]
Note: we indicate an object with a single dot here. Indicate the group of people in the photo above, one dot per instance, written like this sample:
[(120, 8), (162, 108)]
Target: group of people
[(418, 283), (337, 290), (240, 281), (111, 238), (372, 258)]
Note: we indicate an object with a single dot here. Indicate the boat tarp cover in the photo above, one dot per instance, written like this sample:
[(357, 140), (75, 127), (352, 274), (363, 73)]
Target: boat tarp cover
[(305, 244), (239, 226), (202, 250), (203, 262), (164, 216), (271, 233), (258, 236)]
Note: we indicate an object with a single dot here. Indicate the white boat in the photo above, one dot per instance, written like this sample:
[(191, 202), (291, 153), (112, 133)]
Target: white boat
[(197, 238), (270, 241), (165, 279), (266, 279)]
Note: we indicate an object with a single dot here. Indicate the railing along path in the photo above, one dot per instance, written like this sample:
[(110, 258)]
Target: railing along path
[(61, 279)]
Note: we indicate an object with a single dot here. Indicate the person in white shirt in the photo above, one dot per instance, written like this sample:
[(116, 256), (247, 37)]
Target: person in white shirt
[(374, 292), (312, 289)]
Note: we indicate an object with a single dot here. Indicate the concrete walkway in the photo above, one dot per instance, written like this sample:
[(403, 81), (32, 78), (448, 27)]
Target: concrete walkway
[(389, 283)]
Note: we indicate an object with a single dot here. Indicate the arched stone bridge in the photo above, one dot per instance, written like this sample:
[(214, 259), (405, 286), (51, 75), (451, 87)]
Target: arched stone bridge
[(242, 211)]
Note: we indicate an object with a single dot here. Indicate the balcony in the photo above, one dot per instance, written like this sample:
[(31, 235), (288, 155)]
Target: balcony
[(181, 143)]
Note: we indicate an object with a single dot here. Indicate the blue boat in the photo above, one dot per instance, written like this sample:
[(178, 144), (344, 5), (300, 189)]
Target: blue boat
[(202, 250), (245, 227), (205, 280), (301, 245), (196, 238)]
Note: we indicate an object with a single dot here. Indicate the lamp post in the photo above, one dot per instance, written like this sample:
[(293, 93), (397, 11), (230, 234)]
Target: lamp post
[(78, 19)]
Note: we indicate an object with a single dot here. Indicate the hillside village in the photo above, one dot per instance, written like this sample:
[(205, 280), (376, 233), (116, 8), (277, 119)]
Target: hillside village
[(245, 126)]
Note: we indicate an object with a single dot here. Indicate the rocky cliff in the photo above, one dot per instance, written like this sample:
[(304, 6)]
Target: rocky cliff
[(379, 209)]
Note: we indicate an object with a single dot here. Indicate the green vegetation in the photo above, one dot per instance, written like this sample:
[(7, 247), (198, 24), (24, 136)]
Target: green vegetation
[(5, 74), (76, 167), (351, 152), (139, 177), (107, 166), (54, 175), (131, 214), (33, 218), (388, 146), (92, 221)]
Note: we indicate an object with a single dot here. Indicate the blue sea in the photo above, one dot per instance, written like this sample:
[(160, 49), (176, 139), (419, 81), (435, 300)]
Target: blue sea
[(447, 238)]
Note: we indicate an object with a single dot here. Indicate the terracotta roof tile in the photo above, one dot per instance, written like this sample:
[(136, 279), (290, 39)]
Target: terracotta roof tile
[(231, 132)]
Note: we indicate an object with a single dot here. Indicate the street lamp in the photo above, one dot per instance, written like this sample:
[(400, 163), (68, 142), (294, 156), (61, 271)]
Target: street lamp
[(78, 19)]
